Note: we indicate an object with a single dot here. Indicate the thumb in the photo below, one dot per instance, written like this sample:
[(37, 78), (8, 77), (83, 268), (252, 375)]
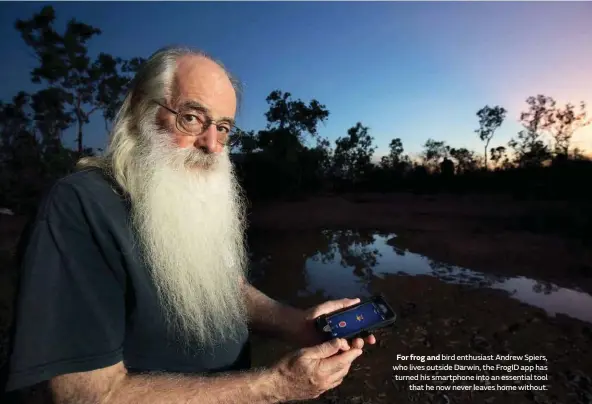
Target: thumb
[(327, 349)]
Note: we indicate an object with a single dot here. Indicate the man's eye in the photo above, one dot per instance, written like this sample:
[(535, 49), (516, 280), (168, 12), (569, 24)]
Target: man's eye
[(223, 129), (191, 119)]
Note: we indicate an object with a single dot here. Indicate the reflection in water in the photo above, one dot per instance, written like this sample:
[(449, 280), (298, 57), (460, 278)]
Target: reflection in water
[(342, 264), (345, 249)]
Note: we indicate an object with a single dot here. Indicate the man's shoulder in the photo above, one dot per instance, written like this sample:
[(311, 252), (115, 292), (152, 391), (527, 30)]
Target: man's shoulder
[(85, 188), (90, 179), (90, 183)]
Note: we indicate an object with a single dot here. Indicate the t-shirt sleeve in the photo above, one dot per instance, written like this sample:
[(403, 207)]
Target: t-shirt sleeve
[(70, 308)]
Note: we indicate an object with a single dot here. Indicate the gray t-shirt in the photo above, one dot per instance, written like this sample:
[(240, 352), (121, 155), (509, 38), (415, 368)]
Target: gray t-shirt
[(85, 299)]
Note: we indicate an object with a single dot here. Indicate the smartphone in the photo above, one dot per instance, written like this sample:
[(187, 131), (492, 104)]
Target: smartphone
[(358, 320)]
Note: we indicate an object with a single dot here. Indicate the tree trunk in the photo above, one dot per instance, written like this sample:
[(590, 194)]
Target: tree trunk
[(486, 146), (79, 137), (79, 118)]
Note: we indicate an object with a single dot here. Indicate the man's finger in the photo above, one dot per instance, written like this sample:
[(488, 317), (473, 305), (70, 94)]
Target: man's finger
[(326, 349), (358, 343), (371, 339), (340, 361), (333, 305)]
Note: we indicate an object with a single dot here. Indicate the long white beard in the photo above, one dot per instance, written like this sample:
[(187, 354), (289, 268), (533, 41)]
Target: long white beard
[(187, 210)]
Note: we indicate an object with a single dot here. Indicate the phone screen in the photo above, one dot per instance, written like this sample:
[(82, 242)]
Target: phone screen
[(356, 319)]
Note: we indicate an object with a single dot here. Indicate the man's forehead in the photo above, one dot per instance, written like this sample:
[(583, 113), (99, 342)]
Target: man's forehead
[(203, 81)]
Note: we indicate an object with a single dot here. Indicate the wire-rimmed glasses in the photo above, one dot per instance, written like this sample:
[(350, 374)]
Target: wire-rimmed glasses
[(194, 121)]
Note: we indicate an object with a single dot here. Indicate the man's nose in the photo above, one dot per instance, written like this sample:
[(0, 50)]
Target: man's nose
[(208, 141)]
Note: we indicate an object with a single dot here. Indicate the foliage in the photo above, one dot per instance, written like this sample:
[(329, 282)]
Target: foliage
[(466, 160), (280, 159), (434, 153), (395, 155), (563, 123), (353, 154), (81, 84), (530, 147), (287, 158), (499, 157), (490, 119)]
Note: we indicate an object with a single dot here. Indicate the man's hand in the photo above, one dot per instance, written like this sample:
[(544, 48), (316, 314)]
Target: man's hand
[(309, 334), (310, 372), (271, 318)]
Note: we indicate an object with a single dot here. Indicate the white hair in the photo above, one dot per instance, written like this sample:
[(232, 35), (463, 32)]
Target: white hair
[(189, 222)]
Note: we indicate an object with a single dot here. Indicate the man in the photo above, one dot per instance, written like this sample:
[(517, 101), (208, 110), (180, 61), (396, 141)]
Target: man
[(133, 284)]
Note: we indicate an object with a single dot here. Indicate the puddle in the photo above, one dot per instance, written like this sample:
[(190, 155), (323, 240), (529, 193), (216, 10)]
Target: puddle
[(342, 263)]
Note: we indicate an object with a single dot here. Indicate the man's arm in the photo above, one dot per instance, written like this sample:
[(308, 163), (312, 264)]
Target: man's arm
[(113, 385), (302, 375), (272, 318)]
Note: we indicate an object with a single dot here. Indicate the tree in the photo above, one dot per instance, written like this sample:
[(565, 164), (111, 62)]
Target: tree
[(294, 115), (18, 144), (578, 154), (490, 119), (115, 82), (353, 153), (86, 86), (323, 155), (248, 142), (287, 159), (21, 171), (529, 147), (394, 157), (497, 154), (51, 120), (50, 117), (465, 159), (31, 133), (563, 123), (288, 122), (434, 152)]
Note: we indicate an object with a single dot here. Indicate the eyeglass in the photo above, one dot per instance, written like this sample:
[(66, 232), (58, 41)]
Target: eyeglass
[(194, 121)]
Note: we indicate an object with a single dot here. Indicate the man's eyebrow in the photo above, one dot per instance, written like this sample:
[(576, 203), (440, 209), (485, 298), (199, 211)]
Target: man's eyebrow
[(196, 105)]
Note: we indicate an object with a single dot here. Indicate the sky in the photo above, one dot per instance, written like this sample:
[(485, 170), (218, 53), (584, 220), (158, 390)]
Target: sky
[(412, 70)]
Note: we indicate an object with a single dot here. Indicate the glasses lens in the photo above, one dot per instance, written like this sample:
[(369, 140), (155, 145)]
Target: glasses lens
[(191, 121)]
